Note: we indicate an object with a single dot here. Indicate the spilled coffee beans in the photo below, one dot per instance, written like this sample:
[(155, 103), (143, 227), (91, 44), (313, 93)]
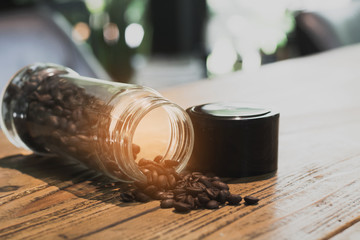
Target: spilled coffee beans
[(183, 192)]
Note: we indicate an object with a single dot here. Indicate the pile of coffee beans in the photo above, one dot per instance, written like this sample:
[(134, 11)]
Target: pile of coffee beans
[(183, 192)]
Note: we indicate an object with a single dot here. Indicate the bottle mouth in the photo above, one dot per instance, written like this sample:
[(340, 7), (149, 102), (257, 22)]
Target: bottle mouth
[(158, 127)]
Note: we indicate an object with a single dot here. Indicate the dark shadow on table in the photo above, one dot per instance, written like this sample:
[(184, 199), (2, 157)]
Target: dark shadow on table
[(66, 175)]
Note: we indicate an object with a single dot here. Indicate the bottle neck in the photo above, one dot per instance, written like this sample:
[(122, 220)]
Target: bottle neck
[(135, 118)]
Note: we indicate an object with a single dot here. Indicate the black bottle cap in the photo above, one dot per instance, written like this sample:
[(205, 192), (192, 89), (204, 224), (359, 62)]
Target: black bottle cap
[(234, 139)]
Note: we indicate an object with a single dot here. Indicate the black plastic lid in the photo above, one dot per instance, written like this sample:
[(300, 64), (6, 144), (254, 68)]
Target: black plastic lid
[(234, 139)]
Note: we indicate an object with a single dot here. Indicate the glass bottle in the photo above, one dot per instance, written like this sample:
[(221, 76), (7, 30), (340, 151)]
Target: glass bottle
[(109, 126)]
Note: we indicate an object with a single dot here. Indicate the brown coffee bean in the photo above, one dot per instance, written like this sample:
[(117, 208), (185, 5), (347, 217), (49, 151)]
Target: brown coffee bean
[(222, 197), (77, 114), (180, 184), (205, 180), (53, 121), (140, 185), (171, 180), (167, 203), (58, 110), (143, 162), (188, 177), (220, 185), (251, 200), (215, 178), (212, 204), (198, 185), (158, 195), (63, 123), (182, 207), (171, 163), (71, 127), (162, 181), (197, 174), (194, 191), (155, 176), (212, 193), (127, 197), (151, 189), (178, 191), (43, 98), (142, 197), (158, 158), (149, 178), (203, 198), (181, 197), (190, 200), (198, 204), (135, 148), (167, 195), (234, 199), (153, 166)]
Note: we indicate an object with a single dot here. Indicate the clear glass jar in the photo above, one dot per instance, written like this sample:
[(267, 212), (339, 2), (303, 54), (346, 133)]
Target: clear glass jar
[(50, 109)]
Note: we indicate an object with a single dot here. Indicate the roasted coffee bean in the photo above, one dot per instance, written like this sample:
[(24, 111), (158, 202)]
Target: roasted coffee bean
[(140, 185), (63, 123), (181, 184), (167, 195), (194, 191), (167, 203), (198, 204), (178, 191), (58, 110), (77, 115), (149, 177), (187, 177), (205, 180), (190, 200), (212, 193), (171, 163), (181, 197), (215, 178), (151, 189), (43, 98), (71, 128), (182, 207), (171, 180), (198, 185), (155, 177), (212, 204), (158, 195), (197, 174), (127, 197), (223, 195), (143, 162), (153, 166), (158, 158), (234, 199), (141, 197), (203, 198), (162, 181), (53, 121), (220, 185), (135, 148), (251, 200)]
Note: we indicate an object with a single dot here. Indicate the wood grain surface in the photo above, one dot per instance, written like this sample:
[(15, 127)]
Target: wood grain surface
[(314, 194)]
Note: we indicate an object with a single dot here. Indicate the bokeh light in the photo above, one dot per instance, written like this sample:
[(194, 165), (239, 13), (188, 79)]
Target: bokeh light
[(81, 32), (111, 33), (134, 34)]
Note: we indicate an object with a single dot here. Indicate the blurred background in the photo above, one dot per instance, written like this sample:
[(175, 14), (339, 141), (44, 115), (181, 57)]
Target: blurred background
[(161, 43)]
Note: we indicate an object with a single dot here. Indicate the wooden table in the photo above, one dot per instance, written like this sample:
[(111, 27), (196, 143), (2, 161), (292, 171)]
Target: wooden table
[(314, 195)]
